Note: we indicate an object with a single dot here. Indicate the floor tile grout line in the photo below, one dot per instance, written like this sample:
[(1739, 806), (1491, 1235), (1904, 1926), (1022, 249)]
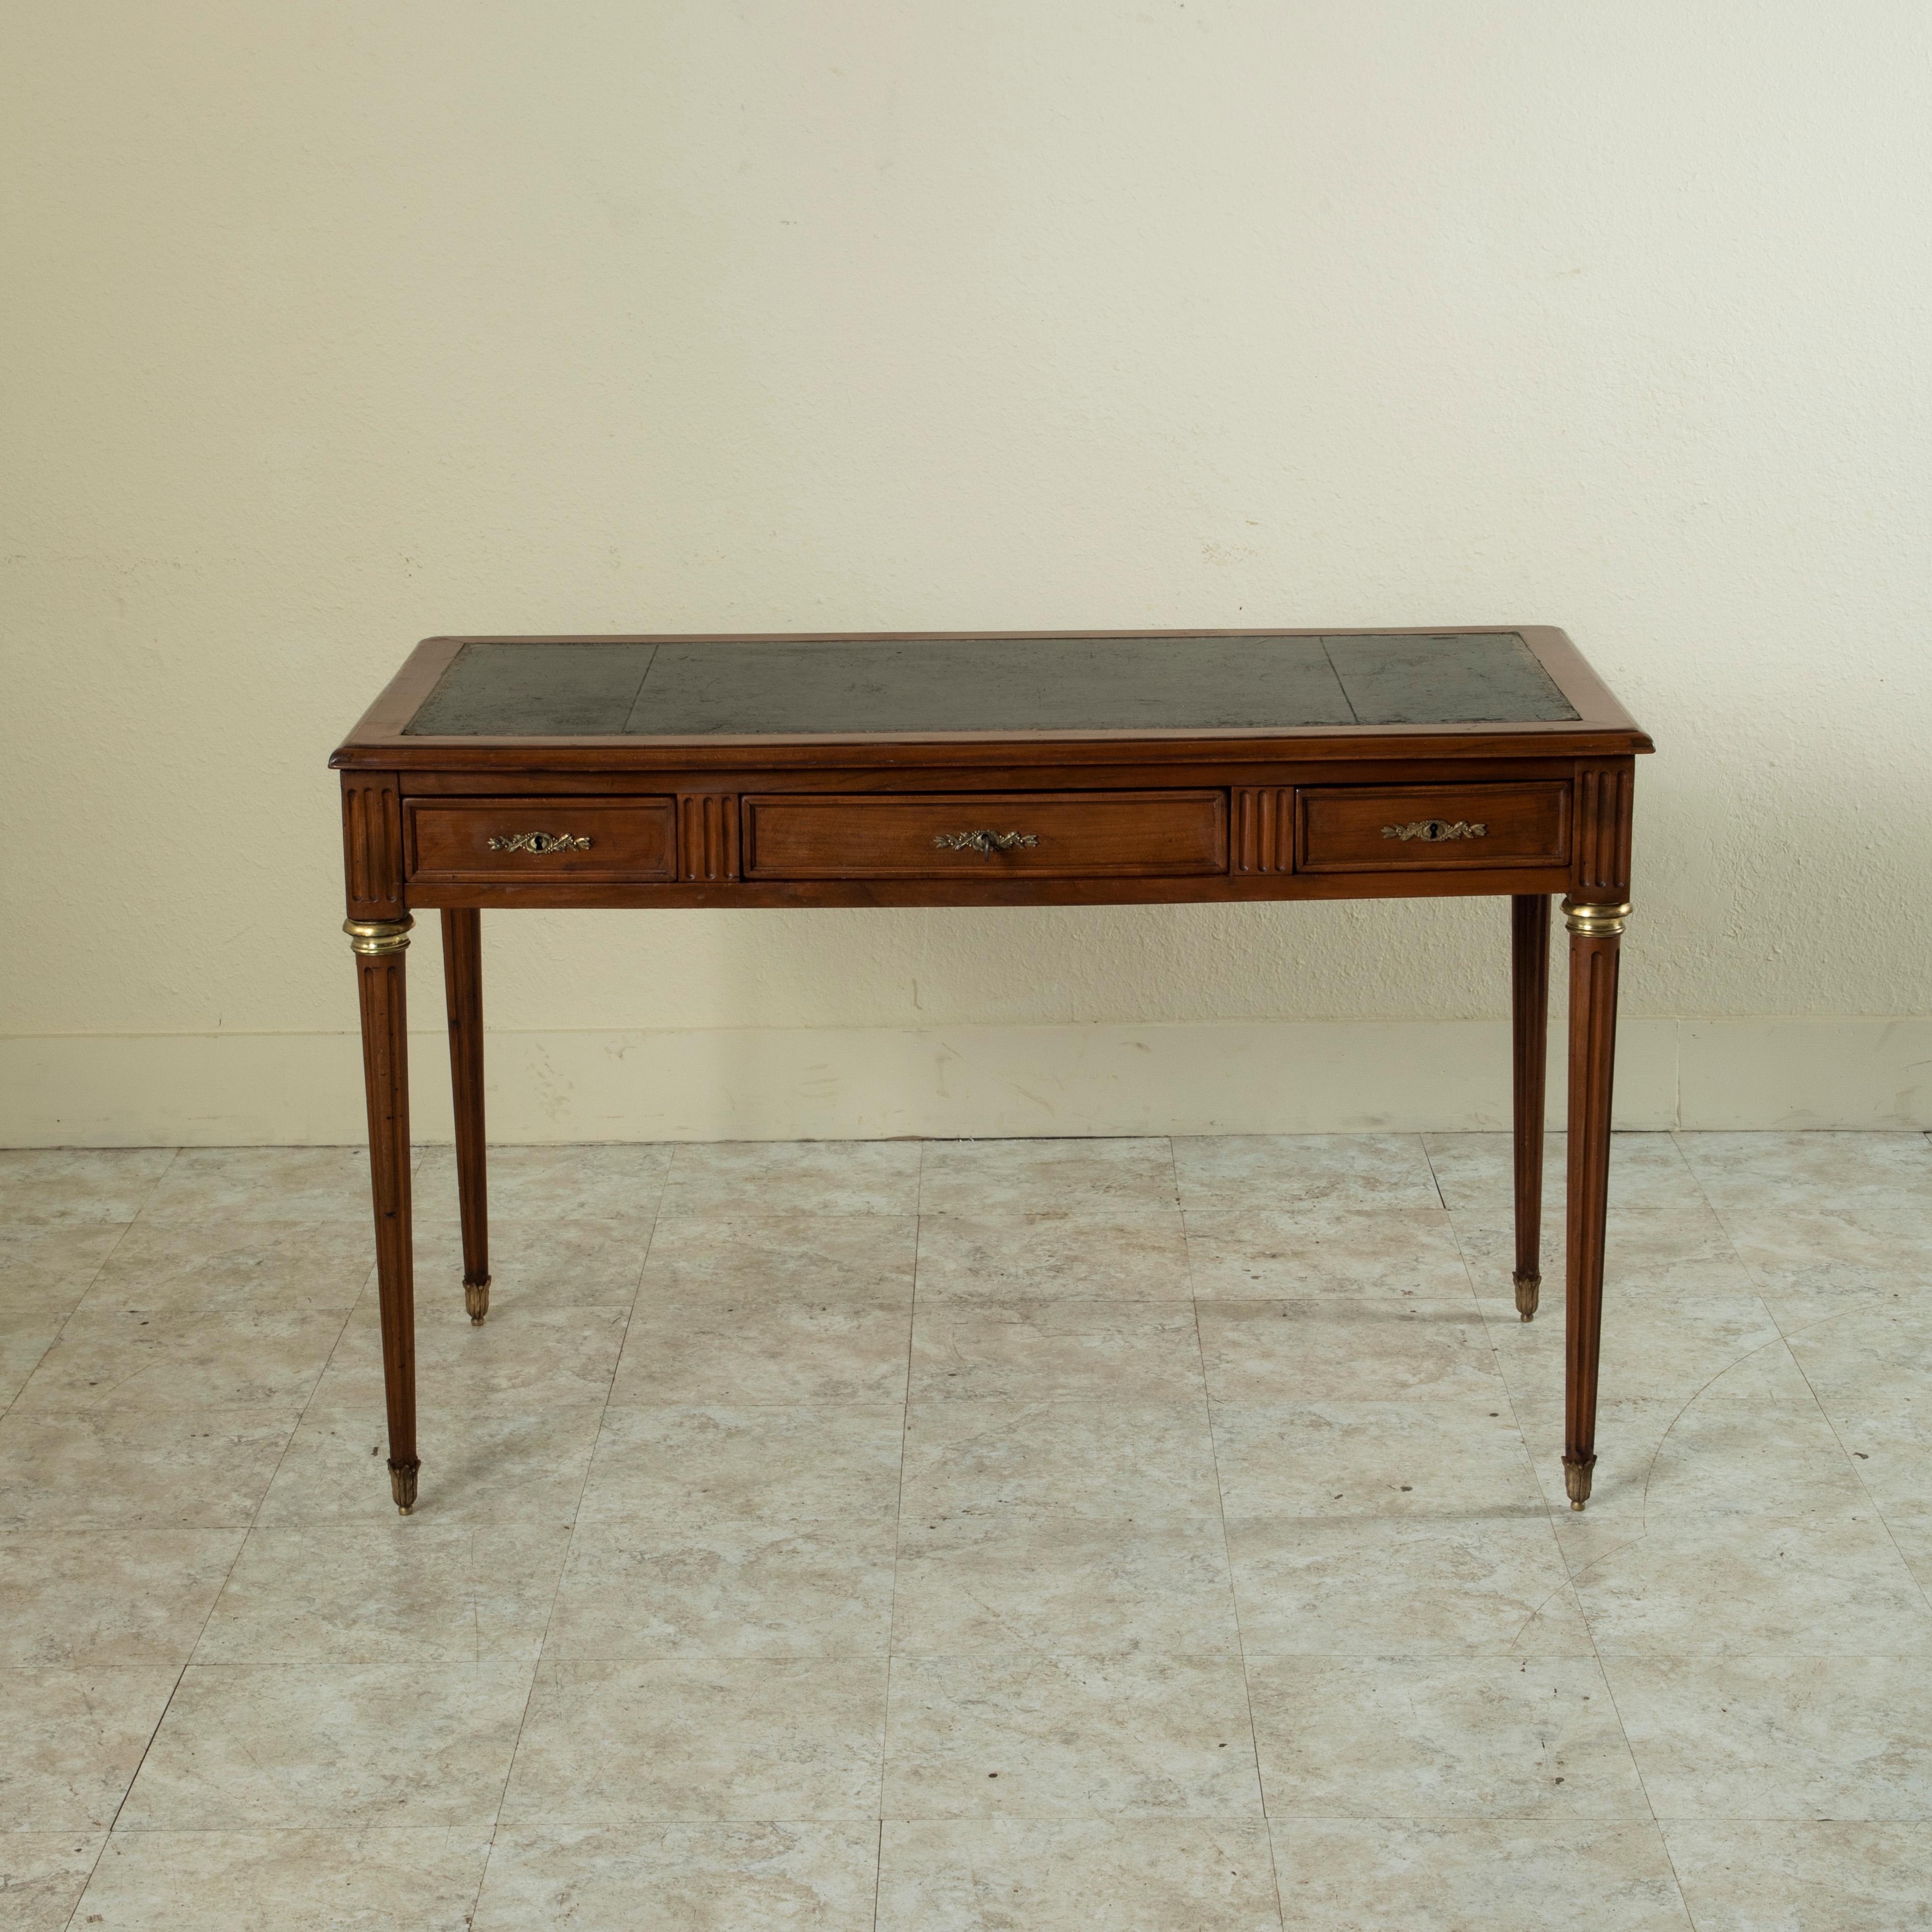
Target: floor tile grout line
[(1902, 1821), (1227, 1547), (1636, 1763), (73, 1308), (301, 1416), (570, 1542), (214, 1602), (899, 1530), (107, 1837), (1784, 1335), (93, 1282), (1495, 1356), (1583, 1614), (174, 1154), (1461, 1253), (1551, 1516), (1717, 1214), (878, 1863), (1658, 1823), (1435, 1181), (1670, 1859), (1756, 1276), (1884, 1522)]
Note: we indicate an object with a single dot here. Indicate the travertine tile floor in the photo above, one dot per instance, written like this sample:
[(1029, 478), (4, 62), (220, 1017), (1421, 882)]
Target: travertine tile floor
[(1027, 1534)]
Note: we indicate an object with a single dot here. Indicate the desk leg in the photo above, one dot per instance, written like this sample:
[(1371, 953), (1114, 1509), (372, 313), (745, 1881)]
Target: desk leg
[(1596, 939), (380, 946), (1529, 989), (462, 985)]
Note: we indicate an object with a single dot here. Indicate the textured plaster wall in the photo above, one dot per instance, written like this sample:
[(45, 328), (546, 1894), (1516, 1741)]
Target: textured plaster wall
[(331, 325)]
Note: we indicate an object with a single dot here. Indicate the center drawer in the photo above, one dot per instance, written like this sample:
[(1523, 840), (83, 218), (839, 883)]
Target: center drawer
[(1052, 835)]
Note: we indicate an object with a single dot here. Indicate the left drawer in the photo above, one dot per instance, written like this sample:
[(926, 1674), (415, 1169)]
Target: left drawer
[(527, 840)]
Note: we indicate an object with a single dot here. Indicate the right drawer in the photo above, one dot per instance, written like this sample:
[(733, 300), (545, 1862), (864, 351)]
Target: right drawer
[(1430, 828)]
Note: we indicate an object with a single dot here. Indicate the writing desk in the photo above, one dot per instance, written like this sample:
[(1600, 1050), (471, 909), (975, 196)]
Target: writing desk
[(1070, 769)]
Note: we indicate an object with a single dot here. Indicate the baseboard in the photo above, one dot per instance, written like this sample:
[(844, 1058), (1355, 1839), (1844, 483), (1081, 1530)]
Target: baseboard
[(1301, 1076)]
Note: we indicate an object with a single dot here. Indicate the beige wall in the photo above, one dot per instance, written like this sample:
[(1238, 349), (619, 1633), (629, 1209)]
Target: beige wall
[(336, 325)]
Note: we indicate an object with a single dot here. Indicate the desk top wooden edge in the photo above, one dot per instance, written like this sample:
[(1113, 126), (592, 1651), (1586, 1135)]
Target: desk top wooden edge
[(380, 742)]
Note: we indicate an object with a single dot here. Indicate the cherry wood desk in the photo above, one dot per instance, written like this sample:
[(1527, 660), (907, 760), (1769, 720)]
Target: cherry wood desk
[(1068, 769)]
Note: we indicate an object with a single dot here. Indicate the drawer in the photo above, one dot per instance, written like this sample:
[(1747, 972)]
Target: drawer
[(527, 840), (983, 835), (1430, 828)]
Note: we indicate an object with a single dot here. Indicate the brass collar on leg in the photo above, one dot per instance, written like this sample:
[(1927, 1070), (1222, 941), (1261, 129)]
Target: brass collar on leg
[(1595, 921), (379, 935)]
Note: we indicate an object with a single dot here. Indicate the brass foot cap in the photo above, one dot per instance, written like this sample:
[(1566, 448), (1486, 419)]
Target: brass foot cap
[(403, 1485), (1528, 1290), (476, 1299), (1577, 1479)]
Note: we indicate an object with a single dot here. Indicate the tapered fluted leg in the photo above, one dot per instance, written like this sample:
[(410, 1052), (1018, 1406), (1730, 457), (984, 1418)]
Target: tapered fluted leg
[(462, 983), (1596, 938), (1529, 1005), (381, 947)]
